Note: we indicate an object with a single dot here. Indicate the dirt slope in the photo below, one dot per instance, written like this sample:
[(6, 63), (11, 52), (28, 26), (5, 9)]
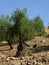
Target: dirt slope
[(32, 55)]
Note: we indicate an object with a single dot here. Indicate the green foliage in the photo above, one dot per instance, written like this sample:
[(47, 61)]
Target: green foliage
[(4, 24), (19, 25), (22, 25), (17, 16), (38, 26)]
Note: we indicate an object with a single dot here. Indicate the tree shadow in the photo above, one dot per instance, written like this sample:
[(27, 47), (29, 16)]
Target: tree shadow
[(42, 48)]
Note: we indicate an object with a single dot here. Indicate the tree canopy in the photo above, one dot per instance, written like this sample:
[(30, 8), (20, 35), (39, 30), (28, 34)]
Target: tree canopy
[(19, 26), (38, 25)]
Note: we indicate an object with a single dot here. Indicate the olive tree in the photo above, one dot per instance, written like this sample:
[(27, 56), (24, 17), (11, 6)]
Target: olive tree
[(38, 26), (22, 26), (5, 29)]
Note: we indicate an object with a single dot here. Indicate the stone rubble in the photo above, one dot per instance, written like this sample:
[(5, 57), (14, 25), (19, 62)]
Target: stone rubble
[(27, 60), (29, 57)]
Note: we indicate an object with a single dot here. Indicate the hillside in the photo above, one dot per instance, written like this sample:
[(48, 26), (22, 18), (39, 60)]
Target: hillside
[(31, 55), (37, 53), (47, 30)]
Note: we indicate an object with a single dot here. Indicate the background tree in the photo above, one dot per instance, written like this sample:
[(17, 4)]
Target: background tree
[(3, 26), (5, 29), (38, 26)]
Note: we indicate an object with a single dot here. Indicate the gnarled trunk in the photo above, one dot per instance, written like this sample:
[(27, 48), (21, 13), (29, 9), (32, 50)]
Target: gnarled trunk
[(19, 48)]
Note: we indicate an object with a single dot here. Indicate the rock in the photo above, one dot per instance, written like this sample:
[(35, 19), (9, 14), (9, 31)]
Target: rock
[(21, 58), (7, 59), (42, 41), (39, 63), (12, 58), (34, 62), (4, 42), (21, 64), (44, 59), (3, 56), (28, 63), (35, 45)]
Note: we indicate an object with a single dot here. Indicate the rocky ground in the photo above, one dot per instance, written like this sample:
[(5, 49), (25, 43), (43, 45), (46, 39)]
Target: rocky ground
[(35, 59), (37, 53)]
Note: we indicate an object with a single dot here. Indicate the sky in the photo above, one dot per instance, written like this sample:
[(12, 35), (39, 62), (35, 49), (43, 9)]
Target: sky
[(34, 8)]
